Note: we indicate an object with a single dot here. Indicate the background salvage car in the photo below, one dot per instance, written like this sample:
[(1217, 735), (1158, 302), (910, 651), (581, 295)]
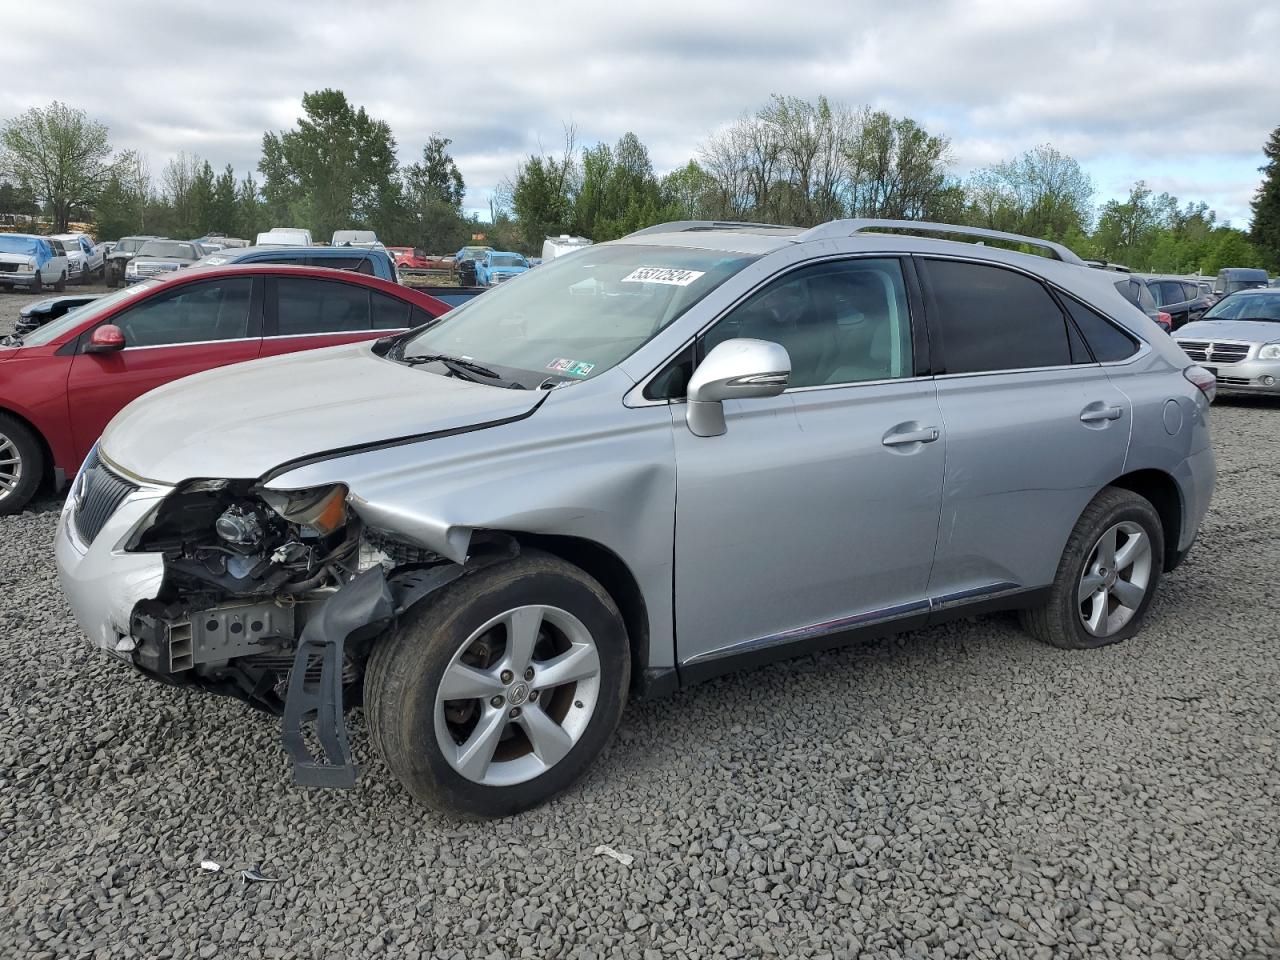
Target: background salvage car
[(494, 530), (31, 262), (158, 257), (62, 383)]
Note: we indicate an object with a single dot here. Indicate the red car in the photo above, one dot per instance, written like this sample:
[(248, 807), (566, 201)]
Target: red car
[(411, 258), (61, 384)]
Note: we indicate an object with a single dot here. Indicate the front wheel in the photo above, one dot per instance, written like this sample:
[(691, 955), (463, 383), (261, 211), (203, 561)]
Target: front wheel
[(37, 283), (1107, 576), (502, 689)]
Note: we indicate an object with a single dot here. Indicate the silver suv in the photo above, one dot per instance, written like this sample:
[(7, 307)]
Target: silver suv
[(702, 446)]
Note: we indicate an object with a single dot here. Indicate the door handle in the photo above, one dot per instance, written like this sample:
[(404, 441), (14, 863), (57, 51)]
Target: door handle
[(923, 435), (1097, 412)]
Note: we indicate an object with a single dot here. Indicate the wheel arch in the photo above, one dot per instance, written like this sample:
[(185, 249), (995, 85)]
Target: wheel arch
[(48, 473), (621, 584), (1161, 491)]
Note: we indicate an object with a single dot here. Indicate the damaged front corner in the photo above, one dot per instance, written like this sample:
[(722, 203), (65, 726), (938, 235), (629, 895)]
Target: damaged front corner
[(451, 541)]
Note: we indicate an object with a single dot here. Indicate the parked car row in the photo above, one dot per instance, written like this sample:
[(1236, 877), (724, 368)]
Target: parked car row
[(698, 448)]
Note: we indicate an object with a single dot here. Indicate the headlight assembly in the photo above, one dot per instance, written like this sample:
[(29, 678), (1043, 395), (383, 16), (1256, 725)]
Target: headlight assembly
[(323, 509), (1270, 351)]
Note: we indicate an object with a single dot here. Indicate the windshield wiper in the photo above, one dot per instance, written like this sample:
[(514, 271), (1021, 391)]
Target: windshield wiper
[(463, 369)]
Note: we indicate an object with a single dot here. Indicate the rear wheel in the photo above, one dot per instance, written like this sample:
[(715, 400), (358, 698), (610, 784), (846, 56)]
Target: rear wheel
[(1107, 577), (502, 690), (21, 465)]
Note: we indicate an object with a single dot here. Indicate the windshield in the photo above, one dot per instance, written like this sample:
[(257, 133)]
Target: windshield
[(507, 260), (128, 245), (167, 248), (55, 328), (577, 317), (1246, 306), (12, 243)]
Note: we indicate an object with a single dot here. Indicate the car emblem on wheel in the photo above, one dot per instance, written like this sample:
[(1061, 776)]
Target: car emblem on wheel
[(518, 694)]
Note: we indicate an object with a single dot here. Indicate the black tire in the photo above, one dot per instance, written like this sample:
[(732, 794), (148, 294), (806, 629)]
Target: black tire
[(37, 283), (406, 668), (61, 285), (1059, 621), (31, 466)]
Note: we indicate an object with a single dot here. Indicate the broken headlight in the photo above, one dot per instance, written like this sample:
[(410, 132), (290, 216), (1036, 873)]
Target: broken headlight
[(319, 510)]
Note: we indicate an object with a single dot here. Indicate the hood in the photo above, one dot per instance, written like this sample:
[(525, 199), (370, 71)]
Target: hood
[(243, 420), (162, 261), (1248, 331)]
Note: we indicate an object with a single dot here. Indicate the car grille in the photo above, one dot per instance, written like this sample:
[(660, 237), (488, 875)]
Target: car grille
[(1205, 351), (97, 495), (8, 267), (1234, 381), (151, 269)]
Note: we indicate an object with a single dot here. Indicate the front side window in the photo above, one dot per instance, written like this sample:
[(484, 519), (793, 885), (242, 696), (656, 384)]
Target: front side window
[(192, 313), (578, 316), (840, 322), (991, 319), (307, 306)]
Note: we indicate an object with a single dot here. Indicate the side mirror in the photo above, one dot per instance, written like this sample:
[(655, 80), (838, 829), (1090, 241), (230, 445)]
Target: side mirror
[(736, 370), (107, 338)]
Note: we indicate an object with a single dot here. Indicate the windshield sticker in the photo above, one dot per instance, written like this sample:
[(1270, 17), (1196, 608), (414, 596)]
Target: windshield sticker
[(668, 275), (570, 368)]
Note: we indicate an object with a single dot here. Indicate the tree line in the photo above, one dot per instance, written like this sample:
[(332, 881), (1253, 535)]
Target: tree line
[(791, 161)]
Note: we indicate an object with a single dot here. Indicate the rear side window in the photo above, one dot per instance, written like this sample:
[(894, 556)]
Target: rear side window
[(994, 319), (305, 306), (1107, 342), (388, 312)]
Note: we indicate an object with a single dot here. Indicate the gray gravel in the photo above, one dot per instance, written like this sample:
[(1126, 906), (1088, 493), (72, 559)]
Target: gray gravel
[(956, 792)]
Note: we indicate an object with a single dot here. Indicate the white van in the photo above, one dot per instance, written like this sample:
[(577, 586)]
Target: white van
[(356, 238), (285, 237), (553, 247)]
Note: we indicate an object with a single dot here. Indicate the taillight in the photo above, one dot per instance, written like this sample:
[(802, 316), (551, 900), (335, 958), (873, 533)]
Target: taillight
[(1205, 381), (1165, 321)]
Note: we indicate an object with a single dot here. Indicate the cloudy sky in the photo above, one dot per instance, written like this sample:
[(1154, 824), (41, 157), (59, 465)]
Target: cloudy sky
[(1180, 94)]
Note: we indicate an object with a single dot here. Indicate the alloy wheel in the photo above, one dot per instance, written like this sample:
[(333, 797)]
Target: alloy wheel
[(517, 696), (1115, 579), (10, 466)]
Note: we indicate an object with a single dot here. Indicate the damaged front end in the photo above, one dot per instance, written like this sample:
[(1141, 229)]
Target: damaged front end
[(276, 598)]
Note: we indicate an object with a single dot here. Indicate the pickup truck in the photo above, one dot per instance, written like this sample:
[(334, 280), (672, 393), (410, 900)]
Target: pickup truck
[(496, 266), (85, 259)]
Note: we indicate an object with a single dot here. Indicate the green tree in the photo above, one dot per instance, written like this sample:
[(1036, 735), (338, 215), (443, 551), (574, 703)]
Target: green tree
[(251, 213), (336, 170), (58, 155), (202, 212), (433, 194), (436, 177), (1232, 249), (1265, 232), (222, 209), (542, 192), (1040, 193)]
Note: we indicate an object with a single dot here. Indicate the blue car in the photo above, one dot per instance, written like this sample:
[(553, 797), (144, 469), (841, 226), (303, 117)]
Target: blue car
[(374, 263), (496, 266)]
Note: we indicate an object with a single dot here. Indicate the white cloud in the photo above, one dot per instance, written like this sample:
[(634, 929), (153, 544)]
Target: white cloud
[(1150, 85)]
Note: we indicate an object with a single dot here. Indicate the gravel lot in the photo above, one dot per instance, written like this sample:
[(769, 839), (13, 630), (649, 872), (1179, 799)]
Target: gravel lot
[(960, 791)]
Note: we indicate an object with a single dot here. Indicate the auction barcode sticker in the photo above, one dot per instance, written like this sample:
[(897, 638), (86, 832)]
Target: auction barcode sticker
[(668, 275)]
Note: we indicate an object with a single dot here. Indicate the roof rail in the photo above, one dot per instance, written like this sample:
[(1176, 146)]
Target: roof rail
[(686, 226), (847, 228)]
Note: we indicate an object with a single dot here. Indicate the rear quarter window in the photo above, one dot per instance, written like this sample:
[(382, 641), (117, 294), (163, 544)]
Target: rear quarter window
[(1106, 341)]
